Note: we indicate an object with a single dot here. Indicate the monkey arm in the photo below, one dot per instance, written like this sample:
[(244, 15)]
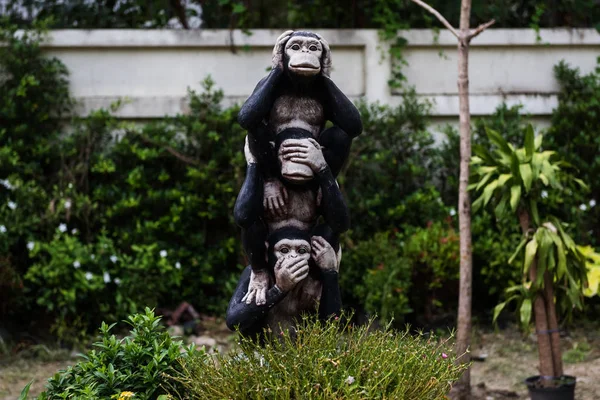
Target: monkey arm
[(333, 205), (249, 318), (331, 300), (249, 203), (340, 110), (260, 102)]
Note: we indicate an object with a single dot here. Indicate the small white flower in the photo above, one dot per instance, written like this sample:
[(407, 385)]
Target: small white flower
[(452, 212), (74, 231), (592, 203), (544, 194), (93, 256), (113, 258), (163, 253), (12, 205), (6, 184), (178, 265), (70, 186), (350, 380), (62, 227), (89, 276), (77, 264), (30, 245), (582, 207), (106, 277), (117, 281), (68, 204), (2, 229)]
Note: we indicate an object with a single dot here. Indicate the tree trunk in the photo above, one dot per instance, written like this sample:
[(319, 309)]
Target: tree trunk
[(463, 334), (539, 311), (553, 325)]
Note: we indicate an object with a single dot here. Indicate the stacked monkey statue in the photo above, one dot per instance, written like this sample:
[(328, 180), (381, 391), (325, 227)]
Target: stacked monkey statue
[(290, 207)]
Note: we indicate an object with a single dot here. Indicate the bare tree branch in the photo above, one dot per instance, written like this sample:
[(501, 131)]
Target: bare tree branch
[(480, 29), (438, 16)]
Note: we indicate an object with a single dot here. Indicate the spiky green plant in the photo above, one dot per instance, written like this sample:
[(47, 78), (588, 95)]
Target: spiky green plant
[(516, 182)]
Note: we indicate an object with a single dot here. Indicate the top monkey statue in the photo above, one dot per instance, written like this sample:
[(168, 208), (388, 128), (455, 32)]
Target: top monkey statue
[(285, 117)]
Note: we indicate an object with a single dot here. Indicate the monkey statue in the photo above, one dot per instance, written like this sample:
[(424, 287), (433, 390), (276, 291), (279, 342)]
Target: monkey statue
[(285, 116), (303, 278)]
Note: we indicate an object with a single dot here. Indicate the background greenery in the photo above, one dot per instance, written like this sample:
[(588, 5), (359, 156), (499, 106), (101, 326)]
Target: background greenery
[(100, 218)]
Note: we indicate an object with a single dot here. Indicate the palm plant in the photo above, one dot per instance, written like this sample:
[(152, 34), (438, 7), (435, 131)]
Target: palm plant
[(515, 182)]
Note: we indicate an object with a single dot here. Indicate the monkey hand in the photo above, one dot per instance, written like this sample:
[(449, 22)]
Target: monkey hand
[(278, 50), (289, 272), (250, 159), (307, 152), (275, 197), (257, 288), (323, 254), (326, 57)]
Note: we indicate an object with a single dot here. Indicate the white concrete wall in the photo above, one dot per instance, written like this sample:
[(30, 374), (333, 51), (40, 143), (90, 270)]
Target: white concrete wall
[(153, 68)]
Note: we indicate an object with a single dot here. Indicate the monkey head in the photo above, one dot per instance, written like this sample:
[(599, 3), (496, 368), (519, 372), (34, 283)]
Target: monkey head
[(287, 242), (291, 171), (302, 54)]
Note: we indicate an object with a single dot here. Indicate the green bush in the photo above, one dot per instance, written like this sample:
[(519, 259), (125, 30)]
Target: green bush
[(326, 361), (138, 363), (575, 134)]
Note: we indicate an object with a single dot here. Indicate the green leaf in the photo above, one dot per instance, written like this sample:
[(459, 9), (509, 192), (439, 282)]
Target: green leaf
[(525, 170), (498, 140), (484, 154), (515, 197), (529, 142), (525, 312), (502, 179), (544, 179), (25, 391), (515, 167), (537, 143), (530, 251), (501, 207), (516, 253), (498, 309), (489, 191), (534, 211), (484, 180), (561, 269), (477, 204)]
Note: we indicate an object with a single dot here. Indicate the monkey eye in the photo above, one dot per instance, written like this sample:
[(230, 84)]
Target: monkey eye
[(302, 250), (296, 47), (313, 48), (285, 250)]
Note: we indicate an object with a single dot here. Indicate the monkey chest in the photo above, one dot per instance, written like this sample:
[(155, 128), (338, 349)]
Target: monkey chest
[(300, 211), (302, 298), (297, 112)]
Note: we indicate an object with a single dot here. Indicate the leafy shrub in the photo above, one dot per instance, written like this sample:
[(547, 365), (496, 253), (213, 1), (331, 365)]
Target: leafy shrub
[(376, 277), (575, 135), (326, 361), (137, 363)]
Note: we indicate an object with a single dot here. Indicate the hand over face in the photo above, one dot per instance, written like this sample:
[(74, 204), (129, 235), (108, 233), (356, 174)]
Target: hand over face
[(275, 197), (289, 272), (277, 60), (304, 151), (323, 254)]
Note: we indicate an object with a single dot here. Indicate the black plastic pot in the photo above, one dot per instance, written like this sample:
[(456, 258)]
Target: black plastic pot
[(562, 388)]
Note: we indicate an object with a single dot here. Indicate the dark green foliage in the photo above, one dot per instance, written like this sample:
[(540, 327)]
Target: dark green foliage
[(575, 134), (274, 14), (326, 361), (139, 363)]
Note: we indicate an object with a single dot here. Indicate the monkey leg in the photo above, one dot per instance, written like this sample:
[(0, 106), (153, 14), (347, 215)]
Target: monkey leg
[(336, 145), (259, 141), (253, 240)]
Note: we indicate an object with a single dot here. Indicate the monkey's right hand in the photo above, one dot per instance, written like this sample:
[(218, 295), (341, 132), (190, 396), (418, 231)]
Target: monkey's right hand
[(289, 272), (275, 197), (257, 288), (278, 50)]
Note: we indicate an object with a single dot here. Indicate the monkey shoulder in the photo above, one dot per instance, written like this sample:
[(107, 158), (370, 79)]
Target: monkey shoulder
[(297, 111)]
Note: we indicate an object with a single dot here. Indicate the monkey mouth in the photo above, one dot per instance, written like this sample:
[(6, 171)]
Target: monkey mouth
[(305, 66)]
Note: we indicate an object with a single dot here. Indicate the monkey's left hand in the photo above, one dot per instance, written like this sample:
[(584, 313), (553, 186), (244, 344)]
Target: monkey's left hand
[(257, 288), (323, 254), (303, 151)]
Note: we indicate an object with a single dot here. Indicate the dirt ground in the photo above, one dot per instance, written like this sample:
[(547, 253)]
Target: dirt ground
[(508, 360)]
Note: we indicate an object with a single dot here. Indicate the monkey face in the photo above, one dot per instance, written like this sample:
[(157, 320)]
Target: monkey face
[(304, 55), (292, 248)]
